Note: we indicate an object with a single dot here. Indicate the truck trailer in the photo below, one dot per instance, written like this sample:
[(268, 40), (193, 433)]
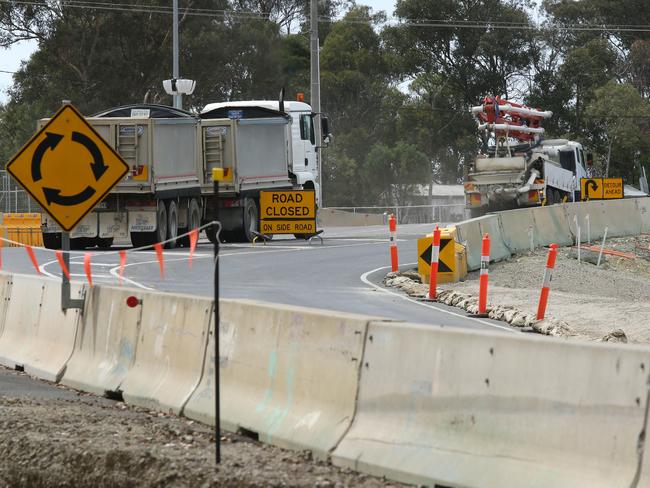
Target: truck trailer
[(171, 153)]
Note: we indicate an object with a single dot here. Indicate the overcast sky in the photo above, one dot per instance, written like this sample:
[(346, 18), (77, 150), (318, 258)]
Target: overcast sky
[(10, 59)]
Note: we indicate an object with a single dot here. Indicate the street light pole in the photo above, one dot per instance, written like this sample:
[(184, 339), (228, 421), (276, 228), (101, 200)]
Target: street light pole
[(178, 103), (315, 94)]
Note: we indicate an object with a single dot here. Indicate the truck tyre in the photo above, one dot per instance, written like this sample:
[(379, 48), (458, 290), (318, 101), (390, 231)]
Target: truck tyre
[(193, 222), (52, 240), (476, 212), (251, 220), (172, 224), (211, 233), (104, 243)]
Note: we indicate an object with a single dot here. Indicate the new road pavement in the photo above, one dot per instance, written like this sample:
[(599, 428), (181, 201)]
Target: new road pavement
[(344, 273)]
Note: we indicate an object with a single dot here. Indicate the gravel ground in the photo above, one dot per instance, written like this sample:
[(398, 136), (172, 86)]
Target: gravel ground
[(588, 302), (86, 441)]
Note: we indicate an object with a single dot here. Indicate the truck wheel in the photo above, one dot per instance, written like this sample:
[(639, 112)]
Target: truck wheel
[(211, 233), (476, 212), (104, 243), (251, 219), (193, 222), (52, 240), (172, 224)]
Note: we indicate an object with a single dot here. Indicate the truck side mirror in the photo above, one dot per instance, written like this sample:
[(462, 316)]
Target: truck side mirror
[(590, 159), (325, 129)]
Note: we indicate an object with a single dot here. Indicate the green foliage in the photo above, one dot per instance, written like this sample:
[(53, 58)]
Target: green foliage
[(398, 95), (620, 129)]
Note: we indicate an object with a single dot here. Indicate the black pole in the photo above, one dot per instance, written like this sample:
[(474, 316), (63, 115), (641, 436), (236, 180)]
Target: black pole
[(217, 406)]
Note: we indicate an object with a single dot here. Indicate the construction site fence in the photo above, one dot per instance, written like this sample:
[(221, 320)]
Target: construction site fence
[(414, 214)]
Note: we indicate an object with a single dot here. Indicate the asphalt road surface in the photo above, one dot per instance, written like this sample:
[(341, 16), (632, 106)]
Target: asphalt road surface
[(344, 273)]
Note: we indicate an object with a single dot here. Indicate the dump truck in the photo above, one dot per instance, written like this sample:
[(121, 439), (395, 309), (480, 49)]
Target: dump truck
[(264, 145), (516, 166)]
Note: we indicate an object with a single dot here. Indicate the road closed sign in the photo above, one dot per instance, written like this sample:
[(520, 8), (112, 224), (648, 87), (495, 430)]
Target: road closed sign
[(67, 167), (601, 188), (288, 212)]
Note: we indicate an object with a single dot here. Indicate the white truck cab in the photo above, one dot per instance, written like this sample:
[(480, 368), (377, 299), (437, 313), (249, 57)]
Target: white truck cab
[(304, 164)]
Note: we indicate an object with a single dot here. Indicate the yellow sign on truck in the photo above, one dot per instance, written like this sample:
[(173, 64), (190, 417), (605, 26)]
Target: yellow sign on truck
[(288, 212), (67, 167)]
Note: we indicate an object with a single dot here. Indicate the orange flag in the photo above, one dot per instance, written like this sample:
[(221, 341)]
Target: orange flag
[(64, 268), (32, 256), (159, 253), (194, 238), (122, 264), (88, 268)]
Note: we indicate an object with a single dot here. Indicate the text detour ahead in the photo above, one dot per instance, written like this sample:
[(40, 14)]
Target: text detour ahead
[(601, 188), (288, 212), (67, 167)]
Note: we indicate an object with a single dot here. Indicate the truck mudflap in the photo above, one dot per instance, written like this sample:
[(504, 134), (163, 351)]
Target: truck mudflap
[(142, 221), (113, 225)]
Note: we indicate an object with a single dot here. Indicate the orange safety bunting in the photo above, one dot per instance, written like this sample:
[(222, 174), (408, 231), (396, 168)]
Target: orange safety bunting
[(64, 268), (159, 253), (88, 268), (122, 265), (194, 238), (32, 257)]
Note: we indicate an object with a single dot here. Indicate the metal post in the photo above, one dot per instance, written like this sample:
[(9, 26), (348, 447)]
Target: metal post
[(66, 300), (217, 405), (178, 101), (315, 93)]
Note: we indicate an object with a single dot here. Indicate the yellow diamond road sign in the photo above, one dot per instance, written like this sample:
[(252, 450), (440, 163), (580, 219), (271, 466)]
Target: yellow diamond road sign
[(67, 167)]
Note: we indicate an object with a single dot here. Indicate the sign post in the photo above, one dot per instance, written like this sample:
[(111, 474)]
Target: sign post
[(218, 174), (68, 168)]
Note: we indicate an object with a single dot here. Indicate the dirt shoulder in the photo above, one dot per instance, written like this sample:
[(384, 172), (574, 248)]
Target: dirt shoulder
[(90, 442), (586, 302)]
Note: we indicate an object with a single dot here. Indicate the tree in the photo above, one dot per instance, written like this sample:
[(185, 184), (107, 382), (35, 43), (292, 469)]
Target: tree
[(620, 121)]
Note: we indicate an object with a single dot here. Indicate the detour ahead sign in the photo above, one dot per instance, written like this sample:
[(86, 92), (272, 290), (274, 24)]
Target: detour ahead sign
[(288, 212), (601, 188)]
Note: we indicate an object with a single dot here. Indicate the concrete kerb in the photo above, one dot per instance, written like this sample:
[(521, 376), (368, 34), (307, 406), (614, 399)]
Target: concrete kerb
[(169, 351), (459, 413), (104, 348), (289, 374), (39, 339)]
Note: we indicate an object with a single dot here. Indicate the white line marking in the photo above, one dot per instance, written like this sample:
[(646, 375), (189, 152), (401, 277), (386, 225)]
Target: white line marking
[(364, 279)]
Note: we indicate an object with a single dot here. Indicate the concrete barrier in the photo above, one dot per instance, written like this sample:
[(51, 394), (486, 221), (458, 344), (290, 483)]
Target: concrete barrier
[(169, 351), (288, 374), (5, 295), (464, 408), (623, 217), (104, 349), (471, 232), (551, 226), (516, 228), (333, 218), (643, 205), (38, 336)]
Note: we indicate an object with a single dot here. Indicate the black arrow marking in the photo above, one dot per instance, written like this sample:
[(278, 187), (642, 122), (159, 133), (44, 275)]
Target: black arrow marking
[(594, 187), (53, 195), (50, 142), (97, 165), (442, 266)]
